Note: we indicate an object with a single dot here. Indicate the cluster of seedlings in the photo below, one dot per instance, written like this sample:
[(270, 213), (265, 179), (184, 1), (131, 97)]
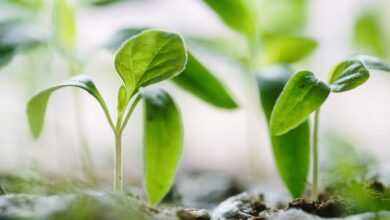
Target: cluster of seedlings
[(147, 56)]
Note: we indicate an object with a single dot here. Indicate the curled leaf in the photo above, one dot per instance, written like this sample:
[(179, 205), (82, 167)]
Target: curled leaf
[(302, 95), (36, 107), (348, 75), (163, 139)]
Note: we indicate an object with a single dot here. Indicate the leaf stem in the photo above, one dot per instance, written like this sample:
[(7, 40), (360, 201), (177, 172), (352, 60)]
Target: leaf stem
[(315, 155), (128, 114)]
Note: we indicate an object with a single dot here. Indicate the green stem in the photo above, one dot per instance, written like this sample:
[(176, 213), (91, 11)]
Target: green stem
[(128, 114), (118, 171), (315, 155), (2, 191)]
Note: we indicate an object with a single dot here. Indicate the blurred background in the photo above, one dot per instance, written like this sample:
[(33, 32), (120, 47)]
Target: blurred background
[(235, 142)]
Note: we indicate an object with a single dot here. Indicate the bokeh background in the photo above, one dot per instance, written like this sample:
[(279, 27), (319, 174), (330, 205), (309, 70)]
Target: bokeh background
[(235, 142)]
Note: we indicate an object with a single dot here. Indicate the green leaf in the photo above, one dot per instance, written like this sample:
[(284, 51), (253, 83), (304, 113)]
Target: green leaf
[(150, 57), (163, 139), (285, 49), (122, 99), (36, 107), (293, 148), (302, 95), (236, 14), (369, 35), (198, 80), (348, 75), (64, 25), (103, 2), (117, 39)]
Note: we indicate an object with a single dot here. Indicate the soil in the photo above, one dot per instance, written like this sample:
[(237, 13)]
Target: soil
[(212, 201)]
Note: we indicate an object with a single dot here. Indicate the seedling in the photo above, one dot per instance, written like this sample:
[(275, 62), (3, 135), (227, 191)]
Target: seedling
[(145, 59), (305, 94)]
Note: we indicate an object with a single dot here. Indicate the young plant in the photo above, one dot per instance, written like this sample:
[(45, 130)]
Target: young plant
[(305, 94), (145, 59), (270, 32)]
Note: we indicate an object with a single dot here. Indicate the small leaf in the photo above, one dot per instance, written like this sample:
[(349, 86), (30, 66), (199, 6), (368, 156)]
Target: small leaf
[(236, 14), (293, 148), (282, 49), (36, 107), (64, 25), (163, 141), (369, 35), (348, 75), (150, 57), (122, 99), (302, 95), (199, 81), (373, 63)]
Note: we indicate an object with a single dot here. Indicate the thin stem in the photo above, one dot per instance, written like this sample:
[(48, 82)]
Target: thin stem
[(118, 171), (128, 114), (2, 191), (315, 155)]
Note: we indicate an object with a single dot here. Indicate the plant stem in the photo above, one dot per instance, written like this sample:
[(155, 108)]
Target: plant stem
[(315, 155), (2, 191), (118, 171)]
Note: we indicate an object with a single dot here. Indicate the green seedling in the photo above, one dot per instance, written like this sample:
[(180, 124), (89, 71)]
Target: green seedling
[(269, 33), (145, 59), (305, 94)]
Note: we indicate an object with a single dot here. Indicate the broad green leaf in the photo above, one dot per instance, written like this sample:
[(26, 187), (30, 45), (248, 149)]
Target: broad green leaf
[(64, 25), (163, 139), (198, 80), (373, 63), (236, 14), (368, 34), (348, 75), (293, 148), (150, 57), (282, 16), (285, 49), (302, 95), (36, 107), (117, 39)]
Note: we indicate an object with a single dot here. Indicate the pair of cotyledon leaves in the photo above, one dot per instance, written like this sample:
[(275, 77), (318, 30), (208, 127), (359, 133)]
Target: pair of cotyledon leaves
[(304, 93), (147, 58)]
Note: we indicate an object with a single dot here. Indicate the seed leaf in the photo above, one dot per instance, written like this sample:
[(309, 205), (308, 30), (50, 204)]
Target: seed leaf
[(163, 137), (36, 107), (348, 75), (285, 49), (64, 24), (150, 57), (236, 14), (198, 80), (302, 95), (293, 148)]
